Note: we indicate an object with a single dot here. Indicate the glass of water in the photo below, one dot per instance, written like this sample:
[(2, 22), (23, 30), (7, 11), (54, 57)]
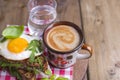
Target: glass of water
[(34, 3), (41, 14)]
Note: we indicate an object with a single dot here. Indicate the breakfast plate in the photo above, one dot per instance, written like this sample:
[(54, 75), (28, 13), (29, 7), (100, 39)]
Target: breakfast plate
[(25, 39)]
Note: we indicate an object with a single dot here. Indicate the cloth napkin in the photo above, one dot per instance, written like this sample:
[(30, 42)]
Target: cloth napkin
[(68, 72)]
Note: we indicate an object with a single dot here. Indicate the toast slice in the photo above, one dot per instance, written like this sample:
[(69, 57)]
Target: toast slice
[(24, 70)]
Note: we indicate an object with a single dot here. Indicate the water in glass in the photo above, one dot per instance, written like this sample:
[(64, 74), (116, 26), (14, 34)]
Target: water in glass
[(40, 17)]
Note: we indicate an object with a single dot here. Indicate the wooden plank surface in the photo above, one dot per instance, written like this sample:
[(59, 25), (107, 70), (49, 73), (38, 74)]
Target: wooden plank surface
[(85, 77), (15, 12), (101, 19)]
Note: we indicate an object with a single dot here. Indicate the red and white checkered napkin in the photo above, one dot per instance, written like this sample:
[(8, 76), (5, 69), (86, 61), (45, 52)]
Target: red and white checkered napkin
[(68, 72)]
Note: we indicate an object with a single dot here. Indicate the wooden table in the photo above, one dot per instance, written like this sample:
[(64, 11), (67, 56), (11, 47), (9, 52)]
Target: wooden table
[(100, 21), (15, 12)]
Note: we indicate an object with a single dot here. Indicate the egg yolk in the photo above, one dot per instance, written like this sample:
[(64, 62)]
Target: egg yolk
[(17, 45)]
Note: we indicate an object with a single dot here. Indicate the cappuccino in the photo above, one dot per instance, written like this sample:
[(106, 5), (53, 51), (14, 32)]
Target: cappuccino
[(62, 38)]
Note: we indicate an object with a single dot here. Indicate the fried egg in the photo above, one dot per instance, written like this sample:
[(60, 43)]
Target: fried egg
[(15, 49)]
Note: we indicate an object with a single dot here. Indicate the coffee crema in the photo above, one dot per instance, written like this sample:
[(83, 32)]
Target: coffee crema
[(63, 38)]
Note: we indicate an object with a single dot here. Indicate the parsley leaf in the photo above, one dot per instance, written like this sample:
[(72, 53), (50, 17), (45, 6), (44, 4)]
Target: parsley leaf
[(35, 46)]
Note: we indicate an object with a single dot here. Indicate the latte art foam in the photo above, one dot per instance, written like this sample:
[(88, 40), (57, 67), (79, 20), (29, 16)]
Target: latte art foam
[(63, 38)]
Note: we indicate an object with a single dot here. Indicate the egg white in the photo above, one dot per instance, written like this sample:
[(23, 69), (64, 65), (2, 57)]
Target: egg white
[(19, 56)]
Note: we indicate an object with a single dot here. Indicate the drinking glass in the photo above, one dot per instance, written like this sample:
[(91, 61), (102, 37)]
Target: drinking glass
[(33, 3), (41, 14)]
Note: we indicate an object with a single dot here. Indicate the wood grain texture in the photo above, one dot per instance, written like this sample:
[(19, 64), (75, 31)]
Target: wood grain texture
[(85, 77), (101, 20), (15, 12)]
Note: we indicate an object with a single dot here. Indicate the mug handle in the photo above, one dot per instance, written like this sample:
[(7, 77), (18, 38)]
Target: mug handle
[(83, 55)]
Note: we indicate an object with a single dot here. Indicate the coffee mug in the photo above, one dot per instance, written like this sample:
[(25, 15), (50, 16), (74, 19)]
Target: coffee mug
[(64, 42)]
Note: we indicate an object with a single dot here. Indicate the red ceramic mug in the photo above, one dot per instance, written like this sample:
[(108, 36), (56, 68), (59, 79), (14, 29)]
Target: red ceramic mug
[(64, 42)]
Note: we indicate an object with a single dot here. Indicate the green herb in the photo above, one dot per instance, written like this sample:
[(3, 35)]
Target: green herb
[(48, 72), (29, 68), (53, 77), (62, 78), (13, 31), (36, 71), (14, 72), (32, 57), (2, 39), (39, 60), (45, 79), (12, 68), (35, 46), (33, 70), (6, 64)]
